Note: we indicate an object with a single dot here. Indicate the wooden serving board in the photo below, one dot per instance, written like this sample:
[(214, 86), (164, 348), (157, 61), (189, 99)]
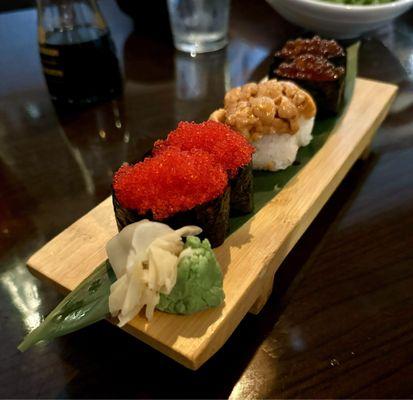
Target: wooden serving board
[(249, 257)]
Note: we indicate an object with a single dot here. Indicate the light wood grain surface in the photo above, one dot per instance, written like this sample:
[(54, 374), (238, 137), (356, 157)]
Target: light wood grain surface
[(249, 257)]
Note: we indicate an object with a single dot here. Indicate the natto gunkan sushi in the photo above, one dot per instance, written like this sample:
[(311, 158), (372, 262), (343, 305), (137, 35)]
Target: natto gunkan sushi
[(276, 117)]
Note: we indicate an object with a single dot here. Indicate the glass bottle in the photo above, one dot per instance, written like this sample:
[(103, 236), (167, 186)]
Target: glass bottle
[(77, 52)]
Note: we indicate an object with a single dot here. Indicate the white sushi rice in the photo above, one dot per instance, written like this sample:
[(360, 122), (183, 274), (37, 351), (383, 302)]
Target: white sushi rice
[(278, 151), (304, 135), (274, 152)]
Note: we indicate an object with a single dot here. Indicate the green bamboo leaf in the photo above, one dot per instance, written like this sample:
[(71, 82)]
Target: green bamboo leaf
[(88, 303), (85, 305)]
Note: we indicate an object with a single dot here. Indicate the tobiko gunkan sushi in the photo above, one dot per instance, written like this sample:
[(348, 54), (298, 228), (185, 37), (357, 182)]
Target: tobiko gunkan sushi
[(177, 188), (229, 148), (277, 118)]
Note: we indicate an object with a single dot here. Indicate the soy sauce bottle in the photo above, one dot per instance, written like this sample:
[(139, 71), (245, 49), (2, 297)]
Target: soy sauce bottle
[(77, 53)]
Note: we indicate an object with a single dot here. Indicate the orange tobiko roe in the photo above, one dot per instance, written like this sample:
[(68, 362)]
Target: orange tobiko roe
[(230, 148), (172, 181)]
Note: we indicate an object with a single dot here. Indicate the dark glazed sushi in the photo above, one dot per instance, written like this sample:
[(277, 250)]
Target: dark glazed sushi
[(229, 148), (318, 66), (177, 188), (315, 46)]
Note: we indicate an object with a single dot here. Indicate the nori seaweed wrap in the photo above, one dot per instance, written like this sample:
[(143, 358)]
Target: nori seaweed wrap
[(177, 188), (318, 66), (212, 217), (242, 200)]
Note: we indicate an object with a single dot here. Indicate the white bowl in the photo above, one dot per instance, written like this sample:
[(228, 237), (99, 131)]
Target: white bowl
[(339, 20)]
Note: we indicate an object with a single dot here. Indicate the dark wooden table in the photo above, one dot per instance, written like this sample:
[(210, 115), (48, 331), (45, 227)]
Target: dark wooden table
[(340, 321)]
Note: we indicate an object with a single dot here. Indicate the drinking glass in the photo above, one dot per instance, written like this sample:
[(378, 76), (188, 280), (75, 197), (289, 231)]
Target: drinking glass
[(199, 26)]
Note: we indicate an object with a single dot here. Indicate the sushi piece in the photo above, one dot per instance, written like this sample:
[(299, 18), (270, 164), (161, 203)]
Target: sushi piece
[(276, 117), (319, 77), (229, 148), (177, 188), (318, 66), (156, 269)]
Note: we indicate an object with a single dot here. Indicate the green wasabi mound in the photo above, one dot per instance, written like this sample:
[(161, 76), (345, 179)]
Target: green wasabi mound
[(199, 280)]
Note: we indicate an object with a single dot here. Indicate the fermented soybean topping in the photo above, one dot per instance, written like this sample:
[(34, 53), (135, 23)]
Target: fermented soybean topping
[(265, 108), (315, 46), (311, 68)]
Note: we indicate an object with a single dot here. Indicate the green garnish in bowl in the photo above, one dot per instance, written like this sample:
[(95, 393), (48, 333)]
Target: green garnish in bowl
[(360, 2)]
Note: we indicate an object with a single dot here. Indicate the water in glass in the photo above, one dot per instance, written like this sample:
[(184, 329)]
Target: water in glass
[(199, 26)]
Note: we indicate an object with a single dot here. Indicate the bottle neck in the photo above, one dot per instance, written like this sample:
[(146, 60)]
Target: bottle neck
[(69, 16)]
